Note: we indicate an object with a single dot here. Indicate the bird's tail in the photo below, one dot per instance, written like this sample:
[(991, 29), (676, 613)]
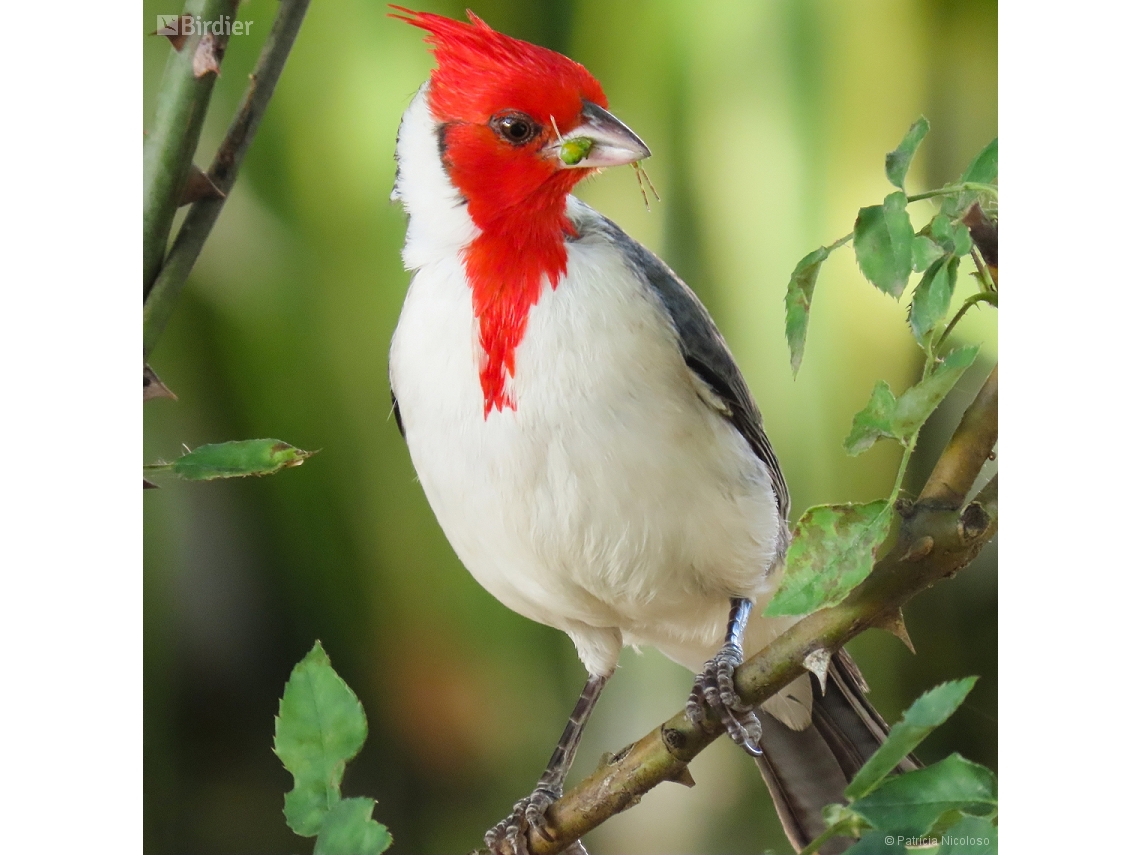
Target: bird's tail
[(810, 768)]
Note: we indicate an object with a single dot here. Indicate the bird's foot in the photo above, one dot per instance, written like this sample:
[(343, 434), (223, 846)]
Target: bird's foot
[(508, 837), (714, 687)]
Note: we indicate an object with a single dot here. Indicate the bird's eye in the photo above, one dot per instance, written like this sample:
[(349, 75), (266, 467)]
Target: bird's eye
[(515, 128)]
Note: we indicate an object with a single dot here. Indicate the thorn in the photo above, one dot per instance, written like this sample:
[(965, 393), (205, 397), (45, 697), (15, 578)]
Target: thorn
[(176, 39), (149, 485), (171, 27), (205, 57), (817, 662), (893, 623), (919, 549), (153, 387), (199, 186), (684, 778)]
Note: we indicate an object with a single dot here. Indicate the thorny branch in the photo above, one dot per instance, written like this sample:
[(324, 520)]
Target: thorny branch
[(937, 538), (187, 84), (200, 219)]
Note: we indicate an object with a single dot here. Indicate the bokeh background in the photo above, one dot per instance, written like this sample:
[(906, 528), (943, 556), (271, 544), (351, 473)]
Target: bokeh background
[(768, 122)]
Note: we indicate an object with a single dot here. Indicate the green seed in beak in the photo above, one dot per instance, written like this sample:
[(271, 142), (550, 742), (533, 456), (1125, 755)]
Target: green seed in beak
[(573, 152)]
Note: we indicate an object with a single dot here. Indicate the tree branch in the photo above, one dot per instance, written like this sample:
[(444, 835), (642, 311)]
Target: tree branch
[(200, 219), (962, 460), (937, 538), (169, 148)]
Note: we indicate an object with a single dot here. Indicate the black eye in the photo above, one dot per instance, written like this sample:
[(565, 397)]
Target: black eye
[(515, 128)]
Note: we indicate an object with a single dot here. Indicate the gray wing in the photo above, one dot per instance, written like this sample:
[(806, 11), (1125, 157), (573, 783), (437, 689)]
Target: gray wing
[(705, 351), (396, 413)]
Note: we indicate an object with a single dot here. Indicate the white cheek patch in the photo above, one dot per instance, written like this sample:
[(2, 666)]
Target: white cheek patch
[(438, 223)]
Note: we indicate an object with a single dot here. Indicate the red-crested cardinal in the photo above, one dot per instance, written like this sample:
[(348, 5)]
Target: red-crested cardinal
[(581, 431)]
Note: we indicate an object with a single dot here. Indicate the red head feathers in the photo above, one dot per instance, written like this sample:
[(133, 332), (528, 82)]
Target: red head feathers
[(479, 70), (484, 81), (503, 106)]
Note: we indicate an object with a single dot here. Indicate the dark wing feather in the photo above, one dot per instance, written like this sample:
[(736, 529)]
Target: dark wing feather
[(396, 413), (705, 351), (810, 768)]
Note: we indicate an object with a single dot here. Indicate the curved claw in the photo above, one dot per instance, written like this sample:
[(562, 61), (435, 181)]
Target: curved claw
[(745, 731), (714, 685)]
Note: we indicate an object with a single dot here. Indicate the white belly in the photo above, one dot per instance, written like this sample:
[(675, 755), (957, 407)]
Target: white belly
[(613, 503)]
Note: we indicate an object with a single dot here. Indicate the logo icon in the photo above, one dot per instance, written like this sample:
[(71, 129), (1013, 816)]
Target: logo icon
[(168, 25)]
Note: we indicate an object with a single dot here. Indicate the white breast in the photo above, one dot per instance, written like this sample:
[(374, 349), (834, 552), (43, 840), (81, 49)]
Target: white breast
[(614, 503)]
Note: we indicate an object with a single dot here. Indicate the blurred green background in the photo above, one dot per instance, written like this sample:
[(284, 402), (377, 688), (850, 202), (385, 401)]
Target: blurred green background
[(768, 122)]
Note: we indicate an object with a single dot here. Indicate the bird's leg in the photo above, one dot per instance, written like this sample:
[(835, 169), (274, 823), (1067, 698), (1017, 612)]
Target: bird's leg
[(714, 685), (509, 836)]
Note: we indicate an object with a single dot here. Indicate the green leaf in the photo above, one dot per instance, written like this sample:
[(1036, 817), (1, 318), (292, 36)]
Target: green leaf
[(876, 843), (898, 161), (953, 237), (891, 418), (873, 421), (236, 459), (915, 405), (911, 804), (963, 243), (319, 727), (925, 714), (948, 819), (983, 169), (349, 829), (832, 551), (932, 297), (307, 804), (797, 304), (883, 239), (942, 231), (924, 252), (971, 835)]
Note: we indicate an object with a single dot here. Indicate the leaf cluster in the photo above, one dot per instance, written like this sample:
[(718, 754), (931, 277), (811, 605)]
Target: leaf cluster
[(900, 419), (320, 727), (950, 807), (889, 250), (833, 547)]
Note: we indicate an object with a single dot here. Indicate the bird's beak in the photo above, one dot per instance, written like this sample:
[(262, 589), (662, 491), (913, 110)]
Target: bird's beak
[(602, 139)]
